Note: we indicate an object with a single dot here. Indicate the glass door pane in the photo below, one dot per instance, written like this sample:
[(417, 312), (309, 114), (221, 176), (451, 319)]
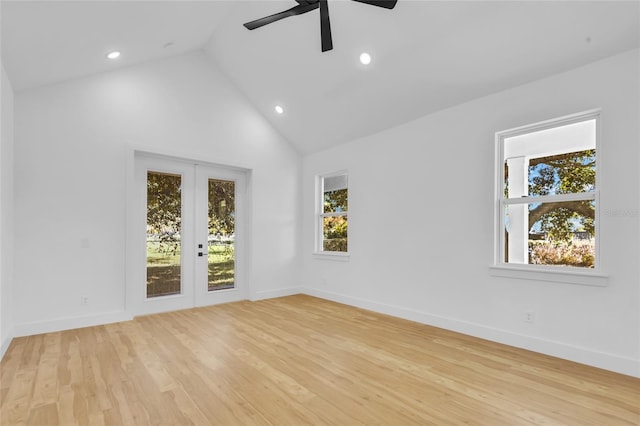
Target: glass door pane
[(221, 234), (164, 247)]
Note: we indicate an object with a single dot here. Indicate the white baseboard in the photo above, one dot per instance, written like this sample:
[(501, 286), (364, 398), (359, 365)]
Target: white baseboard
[(271, 294), (606, 361), (5, 343), (69, 323)]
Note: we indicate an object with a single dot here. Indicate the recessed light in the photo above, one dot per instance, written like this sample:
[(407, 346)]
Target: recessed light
[(279, 109), (365, 58), (113, 55)]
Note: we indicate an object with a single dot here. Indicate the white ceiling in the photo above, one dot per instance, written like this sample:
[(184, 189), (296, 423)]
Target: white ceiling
[(45, 42), (427, 55)]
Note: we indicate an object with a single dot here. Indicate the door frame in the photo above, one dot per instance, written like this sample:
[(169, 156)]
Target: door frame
[(135, 300)]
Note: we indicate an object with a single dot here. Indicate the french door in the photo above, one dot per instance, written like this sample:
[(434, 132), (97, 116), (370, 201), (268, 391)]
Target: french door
[(190, 235)]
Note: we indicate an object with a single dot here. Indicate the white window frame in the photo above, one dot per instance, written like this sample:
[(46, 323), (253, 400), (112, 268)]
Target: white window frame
[(320, 215), (591, 276)]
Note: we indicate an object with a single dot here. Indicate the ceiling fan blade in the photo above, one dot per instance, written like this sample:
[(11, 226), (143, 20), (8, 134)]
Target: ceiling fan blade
[(387, 4), (296, 10), (325, 26)]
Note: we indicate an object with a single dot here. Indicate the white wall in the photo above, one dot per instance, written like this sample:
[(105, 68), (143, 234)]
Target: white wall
[(6, 213), (72, 143), (421, 222)]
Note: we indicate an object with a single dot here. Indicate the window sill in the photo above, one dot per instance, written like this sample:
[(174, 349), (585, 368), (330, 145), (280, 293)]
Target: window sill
[(538, 273), (331, 255)]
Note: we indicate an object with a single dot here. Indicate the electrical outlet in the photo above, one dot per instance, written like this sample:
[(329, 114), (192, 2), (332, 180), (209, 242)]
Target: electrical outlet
[(84, 300), (528, 316)]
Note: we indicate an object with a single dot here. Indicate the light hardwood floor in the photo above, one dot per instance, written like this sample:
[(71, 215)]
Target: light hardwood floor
[(297, 360)]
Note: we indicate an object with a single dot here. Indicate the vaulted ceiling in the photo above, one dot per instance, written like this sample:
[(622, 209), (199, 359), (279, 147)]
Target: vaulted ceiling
[(426, 55)]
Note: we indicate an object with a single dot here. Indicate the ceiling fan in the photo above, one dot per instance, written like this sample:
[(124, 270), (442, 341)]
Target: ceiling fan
[(305, 6)]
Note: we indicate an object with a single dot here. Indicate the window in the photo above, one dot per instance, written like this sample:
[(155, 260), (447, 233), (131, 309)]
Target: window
[(333, 213), (547, 197)]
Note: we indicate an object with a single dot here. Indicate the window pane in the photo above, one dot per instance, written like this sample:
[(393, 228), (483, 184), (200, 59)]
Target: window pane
[(221, 239), (558, 160), (559, 233), (336, 201), (164, 216), (335, 197), (568, 173), (334, 232)]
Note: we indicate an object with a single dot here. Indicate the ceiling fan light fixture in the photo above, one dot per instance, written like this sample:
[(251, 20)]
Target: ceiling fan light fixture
[(365, 58), (279, 109), (113, 54)]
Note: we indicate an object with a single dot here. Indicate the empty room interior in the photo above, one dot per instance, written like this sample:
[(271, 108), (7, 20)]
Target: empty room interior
[(335, 212)]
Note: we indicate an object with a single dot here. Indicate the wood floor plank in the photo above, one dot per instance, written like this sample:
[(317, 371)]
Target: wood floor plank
[(292, 361), (44, 415)]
